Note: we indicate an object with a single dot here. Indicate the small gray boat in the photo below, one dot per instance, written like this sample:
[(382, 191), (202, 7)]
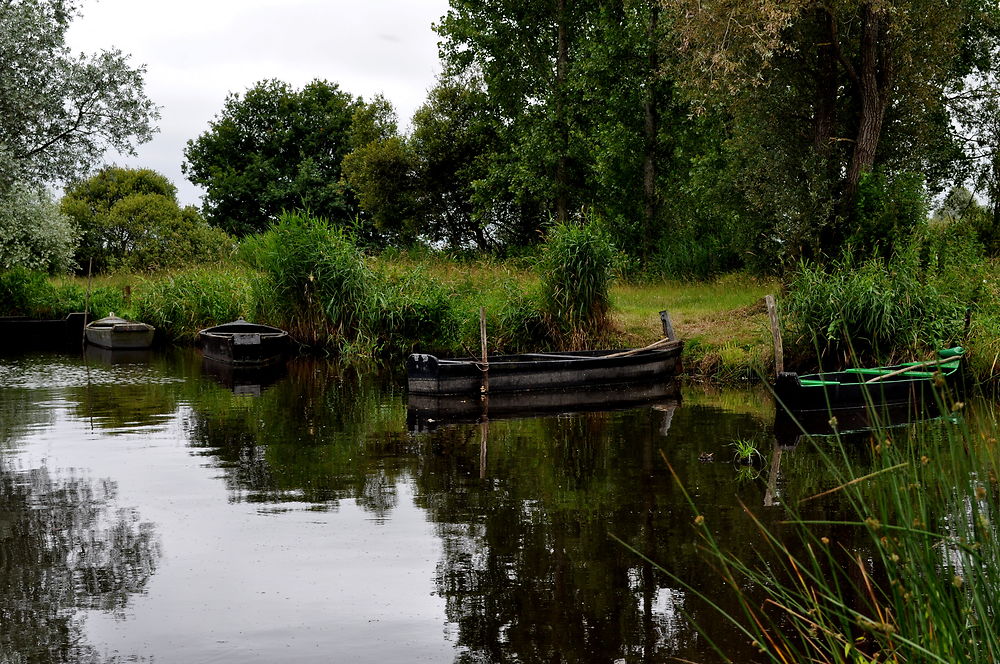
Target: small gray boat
[(117, 333)]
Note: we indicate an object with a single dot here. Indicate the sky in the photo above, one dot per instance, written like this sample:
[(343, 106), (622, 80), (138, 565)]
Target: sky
[(198, 51)]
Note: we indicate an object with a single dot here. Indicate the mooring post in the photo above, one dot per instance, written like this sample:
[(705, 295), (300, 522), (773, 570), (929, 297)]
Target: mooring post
[(486, 361), (668, 327), (779, 353)]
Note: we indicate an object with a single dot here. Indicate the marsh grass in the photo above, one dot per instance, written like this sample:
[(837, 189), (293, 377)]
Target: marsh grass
[(909, 573), (577, 267)]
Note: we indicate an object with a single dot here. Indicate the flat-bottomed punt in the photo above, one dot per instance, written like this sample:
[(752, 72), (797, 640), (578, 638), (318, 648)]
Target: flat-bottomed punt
[(243, 344), (427, 374), (116, 333), (912, 382)]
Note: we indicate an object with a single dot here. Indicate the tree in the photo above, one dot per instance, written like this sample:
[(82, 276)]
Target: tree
[(34, 234), (824, 92), (129, 218), (272, 149), (59, 112)]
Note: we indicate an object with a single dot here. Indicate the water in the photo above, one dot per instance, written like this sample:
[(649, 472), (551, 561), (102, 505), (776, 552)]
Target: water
[(155, 510)]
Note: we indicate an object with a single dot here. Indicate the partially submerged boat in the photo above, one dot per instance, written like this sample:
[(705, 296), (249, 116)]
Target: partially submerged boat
[(243, 344), (911, 382), (427, 374), (115, 333)]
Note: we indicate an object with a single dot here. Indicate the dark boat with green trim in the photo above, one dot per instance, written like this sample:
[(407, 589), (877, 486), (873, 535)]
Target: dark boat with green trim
[(876, 386)]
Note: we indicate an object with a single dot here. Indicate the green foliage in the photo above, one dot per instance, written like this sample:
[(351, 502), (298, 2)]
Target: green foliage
[(60, 111), (183, 303), (34, 234), (319, 287), (683, 256), (25, 292), (913, 303), (889, 209), (381, 172), (130, 220), (275, 148), (577, 267), (414, 311)]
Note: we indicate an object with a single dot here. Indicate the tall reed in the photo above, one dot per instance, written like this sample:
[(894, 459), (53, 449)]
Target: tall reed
[(910, 573), (577, 268), (318, 286)]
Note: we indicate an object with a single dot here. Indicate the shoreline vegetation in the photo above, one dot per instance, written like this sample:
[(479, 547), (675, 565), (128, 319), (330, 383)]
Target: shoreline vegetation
[(311, 279)]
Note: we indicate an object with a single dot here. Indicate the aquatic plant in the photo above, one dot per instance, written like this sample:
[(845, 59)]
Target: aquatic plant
[(745, 451)]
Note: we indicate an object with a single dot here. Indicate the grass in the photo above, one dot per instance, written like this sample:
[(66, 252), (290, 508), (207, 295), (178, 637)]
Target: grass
[(723, 322)]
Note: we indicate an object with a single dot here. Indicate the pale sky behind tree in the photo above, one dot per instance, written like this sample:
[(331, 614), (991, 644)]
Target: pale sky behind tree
[(198, 51)]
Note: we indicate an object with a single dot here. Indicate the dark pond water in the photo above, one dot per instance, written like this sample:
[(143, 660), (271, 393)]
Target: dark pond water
[(154, 510)]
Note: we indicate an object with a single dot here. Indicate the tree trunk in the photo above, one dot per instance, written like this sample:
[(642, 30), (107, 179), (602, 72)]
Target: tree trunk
[(651, 129), (826, 81), (874, 83), (562, 57)]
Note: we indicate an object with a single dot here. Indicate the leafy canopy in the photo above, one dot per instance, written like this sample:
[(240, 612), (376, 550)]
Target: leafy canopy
[(271, 149), (129, 218), (59, 112)]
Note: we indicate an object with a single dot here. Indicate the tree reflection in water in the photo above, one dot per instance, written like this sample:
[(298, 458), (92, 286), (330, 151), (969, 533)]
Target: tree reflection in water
[(64, 548)]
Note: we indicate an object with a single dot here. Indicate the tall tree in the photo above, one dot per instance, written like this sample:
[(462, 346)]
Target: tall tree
[(271, 149), (824, 92), (59, 112)]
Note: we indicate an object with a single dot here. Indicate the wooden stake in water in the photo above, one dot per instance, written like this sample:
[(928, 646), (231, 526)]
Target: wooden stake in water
[(486, 362), (779, 353)]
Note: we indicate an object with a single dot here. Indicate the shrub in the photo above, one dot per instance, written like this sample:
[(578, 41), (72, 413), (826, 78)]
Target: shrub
[(577, 265), (414, 311), (318, 284), (876, 308), (34, 234)]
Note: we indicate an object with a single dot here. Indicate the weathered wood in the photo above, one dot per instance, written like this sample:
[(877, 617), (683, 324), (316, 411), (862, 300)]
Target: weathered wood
[(921, 365), (656, 344), (485, 355), (779, 352), (668, 327)]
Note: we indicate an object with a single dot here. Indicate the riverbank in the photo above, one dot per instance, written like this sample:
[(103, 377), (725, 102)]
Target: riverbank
[(430, 303)]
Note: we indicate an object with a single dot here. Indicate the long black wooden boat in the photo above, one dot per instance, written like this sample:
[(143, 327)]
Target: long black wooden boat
[(19, 333), (911, 382), (428, 374), (243, 344)]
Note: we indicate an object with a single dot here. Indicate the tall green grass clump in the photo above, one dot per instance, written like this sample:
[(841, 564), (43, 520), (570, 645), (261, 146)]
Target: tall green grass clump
[(318, 286), (185, 302), (881, 310), (577, 267), (909, 573), (414, 311), (30, 293)]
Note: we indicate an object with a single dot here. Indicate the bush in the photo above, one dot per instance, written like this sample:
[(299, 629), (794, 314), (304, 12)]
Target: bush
[(34, 234), (878, 309), (318, 285), (577, 266), (414, 311)]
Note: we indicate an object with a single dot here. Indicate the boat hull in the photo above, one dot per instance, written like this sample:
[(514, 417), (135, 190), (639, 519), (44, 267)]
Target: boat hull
[(130, 336), (244, 344), (426, 374), (851, 389)]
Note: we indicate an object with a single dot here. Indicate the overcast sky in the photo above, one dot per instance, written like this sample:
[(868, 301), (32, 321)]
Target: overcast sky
[(197, 51)]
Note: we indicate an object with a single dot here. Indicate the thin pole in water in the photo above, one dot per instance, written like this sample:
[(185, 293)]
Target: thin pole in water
[(486, 362), (779, 353)]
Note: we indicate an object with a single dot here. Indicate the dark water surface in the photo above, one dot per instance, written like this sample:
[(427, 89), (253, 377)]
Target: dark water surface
[(155, 510)]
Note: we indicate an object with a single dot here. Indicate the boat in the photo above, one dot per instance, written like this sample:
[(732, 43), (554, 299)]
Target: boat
[(911, 382), (427, 374), (116, 333), (20, 333), (243, 344)]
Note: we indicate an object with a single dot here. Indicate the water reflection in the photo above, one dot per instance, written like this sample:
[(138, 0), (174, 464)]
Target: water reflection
[(522, 516), (64, 547)]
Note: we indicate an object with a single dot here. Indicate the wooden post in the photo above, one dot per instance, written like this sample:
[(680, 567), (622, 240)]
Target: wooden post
[(668, 328), (779, 353), (486, 362)]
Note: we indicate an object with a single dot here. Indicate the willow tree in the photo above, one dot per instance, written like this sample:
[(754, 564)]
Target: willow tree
[(822, 93)]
